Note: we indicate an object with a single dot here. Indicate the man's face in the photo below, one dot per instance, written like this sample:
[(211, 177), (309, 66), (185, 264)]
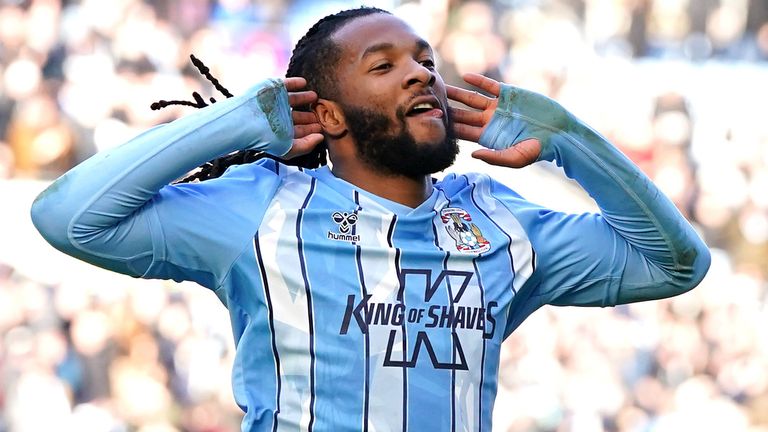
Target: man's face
[(393, 100)]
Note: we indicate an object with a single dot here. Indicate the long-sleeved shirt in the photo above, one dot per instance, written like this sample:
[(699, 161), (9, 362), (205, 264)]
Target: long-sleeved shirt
[(351, 312)]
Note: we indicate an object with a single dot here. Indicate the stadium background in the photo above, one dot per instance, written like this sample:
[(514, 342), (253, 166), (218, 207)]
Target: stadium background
[(679, 85)]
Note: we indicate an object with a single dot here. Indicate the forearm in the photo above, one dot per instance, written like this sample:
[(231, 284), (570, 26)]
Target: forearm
[(81, 211), (629, 202)]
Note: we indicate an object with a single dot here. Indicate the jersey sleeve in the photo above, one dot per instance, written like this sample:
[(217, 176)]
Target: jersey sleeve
[(639, 247), (199, 229), (116, 210)]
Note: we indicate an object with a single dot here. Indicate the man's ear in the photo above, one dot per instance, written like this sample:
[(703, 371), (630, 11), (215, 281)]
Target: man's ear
[(331, 117)]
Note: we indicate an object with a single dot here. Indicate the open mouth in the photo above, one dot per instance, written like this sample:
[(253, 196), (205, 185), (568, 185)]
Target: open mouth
[(425, 106)]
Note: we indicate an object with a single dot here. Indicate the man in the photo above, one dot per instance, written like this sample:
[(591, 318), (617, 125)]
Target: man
[(366, 296)]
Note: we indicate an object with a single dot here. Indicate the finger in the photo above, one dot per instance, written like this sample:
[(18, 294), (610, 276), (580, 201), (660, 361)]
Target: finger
[(300, 131), (488, 85), (469, 98), (472, 118), (519, 155), (302, 98), (293, 84), (304, 145), (303, 117), (467, 132)]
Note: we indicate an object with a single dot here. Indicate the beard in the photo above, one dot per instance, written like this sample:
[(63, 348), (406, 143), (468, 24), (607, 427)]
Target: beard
[(396, 153)]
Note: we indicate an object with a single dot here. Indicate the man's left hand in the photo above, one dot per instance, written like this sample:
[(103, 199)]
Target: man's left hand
[(469, 124)]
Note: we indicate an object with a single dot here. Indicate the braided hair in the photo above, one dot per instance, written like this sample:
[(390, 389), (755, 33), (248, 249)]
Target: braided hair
[(314, 57)]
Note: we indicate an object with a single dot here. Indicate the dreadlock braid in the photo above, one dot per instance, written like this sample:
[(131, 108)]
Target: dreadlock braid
[(199, 101), (207, 74), (314, 57)]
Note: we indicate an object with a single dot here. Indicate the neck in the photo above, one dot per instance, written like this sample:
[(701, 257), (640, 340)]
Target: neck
[(407, 191)]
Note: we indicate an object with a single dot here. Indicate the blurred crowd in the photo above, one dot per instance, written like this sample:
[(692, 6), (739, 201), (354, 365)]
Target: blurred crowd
[(678, 85)]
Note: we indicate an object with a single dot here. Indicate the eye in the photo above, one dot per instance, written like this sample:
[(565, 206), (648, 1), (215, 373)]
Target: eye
[(382, 66), (428, 63)]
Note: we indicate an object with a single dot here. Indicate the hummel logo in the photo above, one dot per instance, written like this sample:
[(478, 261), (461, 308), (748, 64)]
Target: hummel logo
[(345, 221)]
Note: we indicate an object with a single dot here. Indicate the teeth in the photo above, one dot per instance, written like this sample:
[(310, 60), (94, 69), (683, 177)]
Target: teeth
[(423, 106)]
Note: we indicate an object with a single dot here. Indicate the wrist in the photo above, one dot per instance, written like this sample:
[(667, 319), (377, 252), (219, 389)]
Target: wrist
[(268, 101)]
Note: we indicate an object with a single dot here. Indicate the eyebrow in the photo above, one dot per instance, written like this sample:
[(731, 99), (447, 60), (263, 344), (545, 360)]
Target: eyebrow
[(421, 45)]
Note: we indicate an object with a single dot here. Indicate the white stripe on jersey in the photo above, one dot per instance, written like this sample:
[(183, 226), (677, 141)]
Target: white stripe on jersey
[(377, 261), (277, 237), (519, 247), (472, 342)]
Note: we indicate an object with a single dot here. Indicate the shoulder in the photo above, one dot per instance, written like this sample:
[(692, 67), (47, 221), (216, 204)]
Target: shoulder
[(238, 182), (479, 183), (262, 170), (262, 167), (453, 181)]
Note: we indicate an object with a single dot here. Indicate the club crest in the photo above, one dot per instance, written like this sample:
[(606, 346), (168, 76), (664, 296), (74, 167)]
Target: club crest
[(467, 235)]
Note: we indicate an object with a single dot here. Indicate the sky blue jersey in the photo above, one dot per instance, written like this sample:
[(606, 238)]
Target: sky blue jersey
[(351, 312)]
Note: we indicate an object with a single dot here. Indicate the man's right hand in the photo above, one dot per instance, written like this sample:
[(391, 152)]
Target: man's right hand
[(306, 128)]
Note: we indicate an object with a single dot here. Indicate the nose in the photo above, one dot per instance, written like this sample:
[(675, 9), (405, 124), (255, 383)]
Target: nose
[(419, 75)]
